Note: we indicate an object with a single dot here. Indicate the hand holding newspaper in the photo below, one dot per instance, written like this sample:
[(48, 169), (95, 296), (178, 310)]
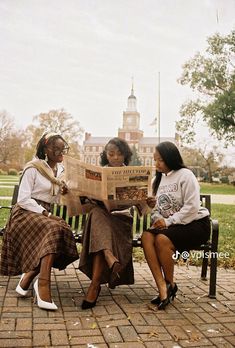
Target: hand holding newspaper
[(117, 187)]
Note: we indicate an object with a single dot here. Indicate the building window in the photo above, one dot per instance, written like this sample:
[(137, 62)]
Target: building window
[(147, 162)]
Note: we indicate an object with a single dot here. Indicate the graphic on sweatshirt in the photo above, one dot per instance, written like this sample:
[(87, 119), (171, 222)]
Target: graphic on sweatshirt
[(167, 205)]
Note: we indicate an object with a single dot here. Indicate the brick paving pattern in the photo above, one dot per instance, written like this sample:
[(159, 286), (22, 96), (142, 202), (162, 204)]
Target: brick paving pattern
[(123, 317)]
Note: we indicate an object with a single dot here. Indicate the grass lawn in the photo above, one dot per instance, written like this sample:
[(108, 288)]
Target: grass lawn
[(223, 189), (4, 213), (225, 214), (9, 178), (6, 191)]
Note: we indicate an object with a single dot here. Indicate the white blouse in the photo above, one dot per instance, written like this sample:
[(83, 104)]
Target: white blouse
[(35, 186)]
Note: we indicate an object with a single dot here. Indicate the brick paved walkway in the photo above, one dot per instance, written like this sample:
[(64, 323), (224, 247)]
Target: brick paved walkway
[(122, 317)]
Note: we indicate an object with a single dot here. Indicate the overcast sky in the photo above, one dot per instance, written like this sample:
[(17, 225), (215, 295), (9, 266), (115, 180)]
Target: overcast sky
[(80, 55)]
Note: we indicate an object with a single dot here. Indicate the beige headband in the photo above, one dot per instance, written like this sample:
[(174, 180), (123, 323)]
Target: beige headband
[(49, 135)]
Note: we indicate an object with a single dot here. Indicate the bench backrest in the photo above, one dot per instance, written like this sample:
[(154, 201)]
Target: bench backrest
[(139, 224), (77, 222)]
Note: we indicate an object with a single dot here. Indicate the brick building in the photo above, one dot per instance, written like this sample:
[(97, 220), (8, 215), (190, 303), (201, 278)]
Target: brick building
[(130, 131)]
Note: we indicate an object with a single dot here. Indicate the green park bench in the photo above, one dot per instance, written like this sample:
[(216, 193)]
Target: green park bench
[(210, 248)]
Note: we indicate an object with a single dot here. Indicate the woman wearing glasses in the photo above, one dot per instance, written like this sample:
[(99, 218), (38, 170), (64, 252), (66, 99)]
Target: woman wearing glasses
[(34, 240)]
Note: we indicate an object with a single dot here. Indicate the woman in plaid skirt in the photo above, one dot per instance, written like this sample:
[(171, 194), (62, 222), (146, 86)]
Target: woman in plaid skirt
[(34, 240)]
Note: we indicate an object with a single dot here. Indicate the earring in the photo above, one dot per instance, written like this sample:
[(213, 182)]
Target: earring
[(46, 157)]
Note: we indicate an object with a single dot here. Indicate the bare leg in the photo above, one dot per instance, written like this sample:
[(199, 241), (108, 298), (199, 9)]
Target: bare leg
[(98, 266), (114, 265), (109, 258), (44, 280), (150, 251), (27, 279), (165, 250)]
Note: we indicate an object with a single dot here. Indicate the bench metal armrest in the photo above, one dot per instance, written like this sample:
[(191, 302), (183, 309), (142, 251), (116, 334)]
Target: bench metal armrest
[(214, 256)]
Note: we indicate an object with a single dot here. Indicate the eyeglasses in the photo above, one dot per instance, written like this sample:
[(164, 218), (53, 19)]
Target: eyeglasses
[(58, 152)]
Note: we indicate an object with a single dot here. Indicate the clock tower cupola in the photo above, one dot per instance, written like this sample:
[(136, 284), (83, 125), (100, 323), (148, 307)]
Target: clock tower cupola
[(131, 121), (131, 102)]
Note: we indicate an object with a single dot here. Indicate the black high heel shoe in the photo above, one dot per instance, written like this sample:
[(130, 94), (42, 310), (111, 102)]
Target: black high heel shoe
[(115, 270), (86, 304), (115, 274), (173, 292), (163, 303), (156, 300)]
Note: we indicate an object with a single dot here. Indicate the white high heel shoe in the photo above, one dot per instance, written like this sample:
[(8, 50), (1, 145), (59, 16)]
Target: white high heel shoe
[(19, 289), (43, 304)]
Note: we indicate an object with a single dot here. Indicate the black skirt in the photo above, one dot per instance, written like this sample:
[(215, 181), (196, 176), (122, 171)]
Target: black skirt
[(187, 237)]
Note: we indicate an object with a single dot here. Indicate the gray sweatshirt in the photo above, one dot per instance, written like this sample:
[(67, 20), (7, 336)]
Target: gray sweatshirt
[(178, 198)]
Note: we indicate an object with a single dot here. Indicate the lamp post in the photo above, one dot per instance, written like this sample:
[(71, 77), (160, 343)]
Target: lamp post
[(158, 110)]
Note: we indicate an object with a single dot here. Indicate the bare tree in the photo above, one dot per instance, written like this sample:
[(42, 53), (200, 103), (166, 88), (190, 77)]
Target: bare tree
[(10, 139), (60, 121), (212, 159), (54, 121), (203, 159)]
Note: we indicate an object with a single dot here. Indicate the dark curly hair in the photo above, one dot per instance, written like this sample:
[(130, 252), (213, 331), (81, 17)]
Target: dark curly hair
[(171, 157), (122, 146), (47, 139)]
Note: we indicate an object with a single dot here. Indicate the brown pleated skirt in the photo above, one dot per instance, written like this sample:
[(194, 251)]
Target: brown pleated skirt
[(30, 236), (112, 234)]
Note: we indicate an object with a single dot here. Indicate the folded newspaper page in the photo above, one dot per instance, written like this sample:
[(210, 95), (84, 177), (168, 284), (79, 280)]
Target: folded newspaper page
[(117, 187)]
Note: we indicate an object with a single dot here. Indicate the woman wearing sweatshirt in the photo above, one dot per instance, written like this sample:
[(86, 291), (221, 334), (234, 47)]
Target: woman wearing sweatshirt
[(178, 222)]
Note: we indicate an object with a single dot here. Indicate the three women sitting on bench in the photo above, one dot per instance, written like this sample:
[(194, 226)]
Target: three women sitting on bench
[(35, 241)]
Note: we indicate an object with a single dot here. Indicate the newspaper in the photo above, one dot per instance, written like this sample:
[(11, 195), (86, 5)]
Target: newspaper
[(117, 187)]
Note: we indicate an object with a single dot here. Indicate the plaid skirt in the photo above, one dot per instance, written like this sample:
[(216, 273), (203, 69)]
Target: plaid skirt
[(108, 232), (30, 236)]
